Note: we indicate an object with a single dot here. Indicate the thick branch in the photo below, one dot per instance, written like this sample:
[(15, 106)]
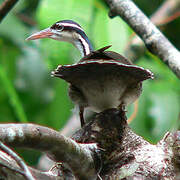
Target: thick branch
[(154, 40), (167, 12), (123, 153), (79, 157), (5, 7)]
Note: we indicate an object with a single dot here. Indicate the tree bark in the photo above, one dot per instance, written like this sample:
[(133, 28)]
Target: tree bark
[(105, 148)]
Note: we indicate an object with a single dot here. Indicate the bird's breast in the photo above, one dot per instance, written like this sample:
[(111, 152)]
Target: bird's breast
[(103, 93)]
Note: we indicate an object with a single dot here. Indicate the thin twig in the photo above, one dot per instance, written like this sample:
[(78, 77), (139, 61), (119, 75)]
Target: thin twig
[(168, 11), (5, 7), (135, 111), (19, 161), (154, 40), (26, 19), (14, 169), (9, 169), (170, 18)]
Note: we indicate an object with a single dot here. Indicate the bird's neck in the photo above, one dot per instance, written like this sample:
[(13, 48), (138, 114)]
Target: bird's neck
[(83, 44)]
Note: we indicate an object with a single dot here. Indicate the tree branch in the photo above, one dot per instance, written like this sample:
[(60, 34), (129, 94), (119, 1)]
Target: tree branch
[(9, 169), (124, 154), (5, 7), (154, 40), (167, 12), (79, 157), (19, 161)]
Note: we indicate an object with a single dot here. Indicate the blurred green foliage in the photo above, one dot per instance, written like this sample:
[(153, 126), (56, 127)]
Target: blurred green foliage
[(29, 94)]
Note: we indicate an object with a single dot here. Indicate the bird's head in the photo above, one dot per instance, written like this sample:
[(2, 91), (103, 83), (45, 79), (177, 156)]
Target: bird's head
[(66, 30)]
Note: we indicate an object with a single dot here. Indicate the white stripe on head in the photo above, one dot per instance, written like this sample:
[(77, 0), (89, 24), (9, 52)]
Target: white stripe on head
[(71, 25)]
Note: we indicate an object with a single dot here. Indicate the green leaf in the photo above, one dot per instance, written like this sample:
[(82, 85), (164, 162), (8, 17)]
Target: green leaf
[(13, 97), (99, 31), (165, 109), (60, 108), (119, 33), (13, 29), (159, 104), (33, 75)]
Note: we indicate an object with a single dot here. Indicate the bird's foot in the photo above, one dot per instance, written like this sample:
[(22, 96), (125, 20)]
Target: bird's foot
[(81, 115)]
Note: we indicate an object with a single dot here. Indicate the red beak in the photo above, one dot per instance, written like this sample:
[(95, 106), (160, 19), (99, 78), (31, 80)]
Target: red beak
[(41, 34)]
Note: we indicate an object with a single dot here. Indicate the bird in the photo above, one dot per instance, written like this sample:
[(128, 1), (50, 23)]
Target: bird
[(101, 79)]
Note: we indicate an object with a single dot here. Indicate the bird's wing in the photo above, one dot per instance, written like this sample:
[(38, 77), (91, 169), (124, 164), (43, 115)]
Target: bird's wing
[(101, 54)]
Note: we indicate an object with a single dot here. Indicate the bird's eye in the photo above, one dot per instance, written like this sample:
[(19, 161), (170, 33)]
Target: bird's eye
[(60, 28), (57, 27)]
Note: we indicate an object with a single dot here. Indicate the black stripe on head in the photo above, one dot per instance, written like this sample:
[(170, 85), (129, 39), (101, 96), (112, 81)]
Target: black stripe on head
[(70, 22), (84, 50), (69, 25)]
